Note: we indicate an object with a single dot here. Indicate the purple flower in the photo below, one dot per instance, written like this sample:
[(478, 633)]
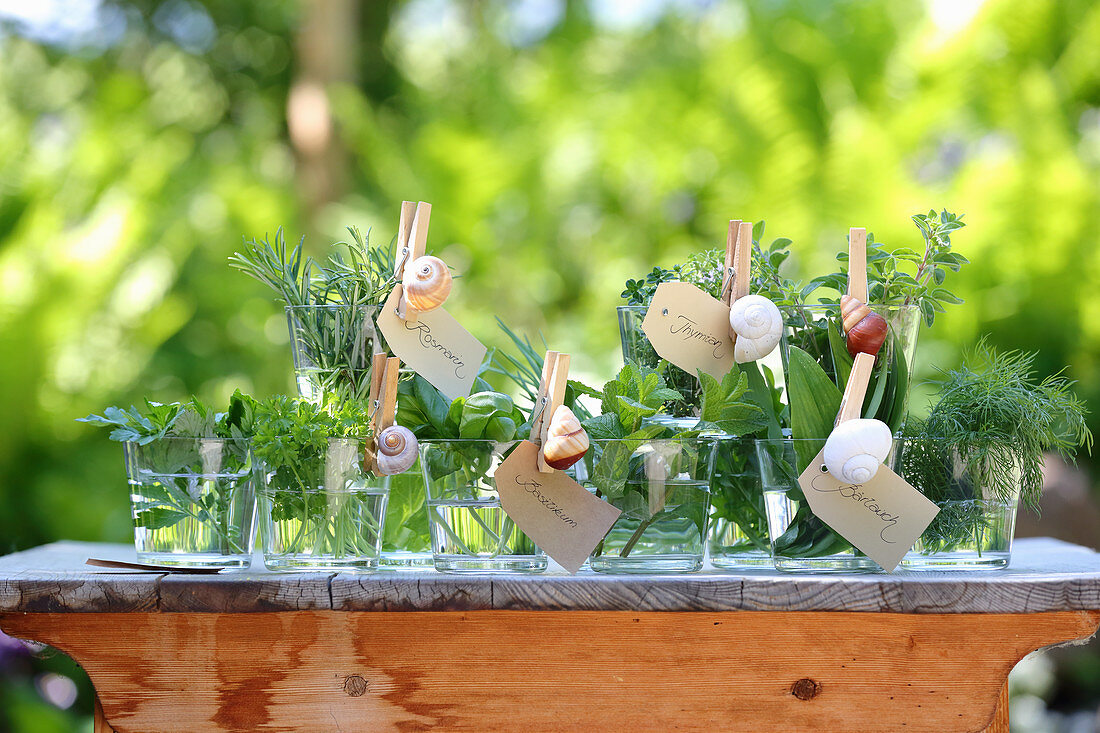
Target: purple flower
[(11, 649)]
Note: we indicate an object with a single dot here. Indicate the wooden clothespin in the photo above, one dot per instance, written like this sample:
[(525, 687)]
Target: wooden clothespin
[(551, 395), (412, 242), (857, 263), (738, 267), (383, 399), (851, 404)]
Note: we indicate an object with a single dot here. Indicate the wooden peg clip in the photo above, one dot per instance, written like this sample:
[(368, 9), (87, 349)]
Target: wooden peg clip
[(730, 266), (412, 242), (738, 266), (383, 400), (737, 273), (851, 405), (857, 263), (551, 395)]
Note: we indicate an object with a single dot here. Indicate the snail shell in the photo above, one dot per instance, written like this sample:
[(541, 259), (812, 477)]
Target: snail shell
[(865, 329), (566, 440), (856, 448), (396, 450), (758, 325), (427, 283)]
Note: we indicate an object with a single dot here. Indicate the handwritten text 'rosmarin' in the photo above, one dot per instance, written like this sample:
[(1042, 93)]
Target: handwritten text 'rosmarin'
[(424, 335)]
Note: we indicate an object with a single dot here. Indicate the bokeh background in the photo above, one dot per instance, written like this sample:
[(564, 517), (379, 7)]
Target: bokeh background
[(566, 145)]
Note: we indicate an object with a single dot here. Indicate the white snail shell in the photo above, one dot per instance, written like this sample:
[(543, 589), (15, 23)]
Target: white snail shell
[(758, 325), (856, 448), (427, 283), (566, 440), (396, 450)]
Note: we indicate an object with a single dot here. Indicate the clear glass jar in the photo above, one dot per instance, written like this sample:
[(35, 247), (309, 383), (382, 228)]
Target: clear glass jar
[(325, 513), (192, 501), (407, 542), (469, 528), (662, 488), (816, 329), (637, 349), (333, 348), (976, 523), (800, 541), (739, 537)]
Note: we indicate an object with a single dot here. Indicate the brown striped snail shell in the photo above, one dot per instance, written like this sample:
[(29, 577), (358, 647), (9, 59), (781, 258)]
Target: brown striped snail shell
[(427, 283), (396, 450), (566, 440), (865, 329)]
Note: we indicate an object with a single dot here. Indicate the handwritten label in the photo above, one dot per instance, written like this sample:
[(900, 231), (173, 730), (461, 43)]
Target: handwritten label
[(552, 509), (882, 517), (436, 347), (690, 329)]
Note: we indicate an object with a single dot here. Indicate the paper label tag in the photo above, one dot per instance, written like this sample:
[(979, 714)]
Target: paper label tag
[(552, 509), (882, 517), (690, 329), (436, 347)]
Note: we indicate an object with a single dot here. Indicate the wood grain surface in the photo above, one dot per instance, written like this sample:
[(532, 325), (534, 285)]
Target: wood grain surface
[(1045, 575), (577, 670)]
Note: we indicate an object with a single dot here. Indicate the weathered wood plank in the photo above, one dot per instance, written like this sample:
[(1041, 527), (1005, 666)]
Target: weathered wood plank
[(412, 591), (245, 592), (1045, 576), (54, 578), (577, 670)]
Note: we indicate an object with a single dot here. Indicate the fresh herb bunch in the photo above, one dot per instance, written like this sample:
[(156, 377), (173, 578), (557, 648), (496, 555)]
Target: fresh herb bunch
[(903, 276), (999, 418), (729, 407), (172, 482), (292, 437), (190, 419), (525, 371), (614, 466), (312, 463), (485, 417), (332, 308), (364, 277)]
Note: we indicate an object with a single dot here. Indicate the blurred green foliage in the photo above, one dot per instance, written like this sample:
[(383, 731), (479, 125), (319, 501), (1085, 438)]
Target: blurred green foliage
[(567, 146)]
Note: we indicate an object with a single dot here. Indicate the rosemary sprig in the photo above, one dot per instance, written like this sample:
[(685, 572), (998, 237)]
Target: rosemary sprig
[(332, 308)]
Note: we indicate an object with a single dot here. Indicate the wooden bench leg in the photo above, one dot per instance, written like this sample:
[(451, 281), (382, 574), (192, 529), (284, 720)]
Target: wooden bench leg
[(99, 720), (999, 724)]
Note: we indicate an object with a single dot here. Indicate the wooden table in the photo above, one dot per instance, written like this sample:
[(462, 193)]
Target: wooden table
[(410, 651)]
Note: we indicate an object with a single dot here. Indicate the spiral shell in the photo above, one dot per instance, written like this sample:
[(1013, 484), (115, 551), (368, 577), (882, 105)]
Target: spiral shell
[(758, 325), (396, 450), (427, 283), (865, 329), (566, 440), (856, 448)]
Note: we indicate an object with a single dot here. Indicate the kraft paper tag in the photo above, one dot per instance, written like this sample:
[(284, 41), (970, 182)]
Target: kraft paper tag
[(882, 517), (436, 347), (552, 509), (690, 329)]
